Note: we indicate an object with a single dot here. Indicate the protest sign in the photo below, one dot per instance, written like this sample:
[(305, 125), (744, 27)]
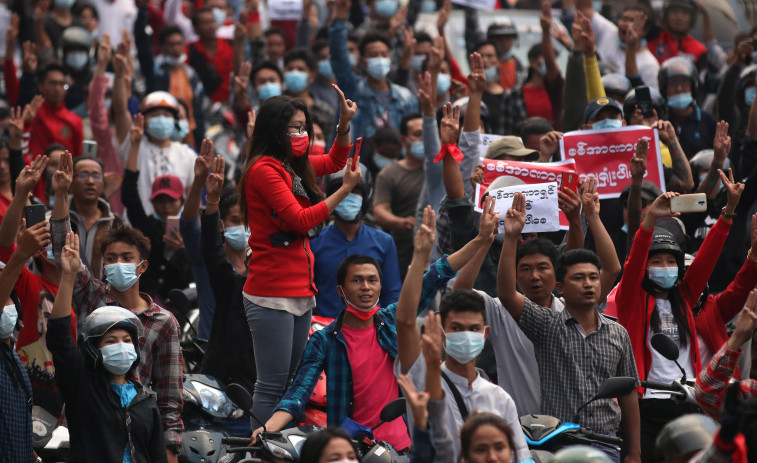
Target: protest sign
[(485, 5), (606, 155), (485, 140), (283, 10), (542, 213)]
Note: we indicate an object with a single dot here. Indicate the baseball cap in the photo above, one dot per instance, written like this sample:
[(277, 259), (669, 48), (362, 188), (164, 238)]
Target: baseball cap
[(510, 146), (597, 105), (649, 192), (167, 185)]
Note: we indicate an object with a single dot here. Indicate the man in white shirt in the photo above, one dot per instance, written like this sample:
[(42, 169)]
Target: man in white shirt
[(611, 40), (115, 17)]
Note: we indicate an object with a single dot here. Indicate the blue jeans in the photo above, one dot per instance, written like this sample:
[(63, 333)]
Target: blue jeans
[(279, 339), (611, 451)]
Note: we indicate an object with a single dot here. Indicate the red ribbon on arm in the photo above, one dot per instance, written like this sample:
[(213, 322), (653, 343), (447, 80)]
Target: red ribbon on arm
[(452, 150)]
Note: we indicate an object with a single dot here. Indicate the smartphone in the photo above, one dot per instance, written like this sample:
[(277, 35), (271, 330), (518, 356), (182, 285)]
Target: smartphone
[(644, 101), (696, 202), (89, 149), (172, 225), (35, 213), (569, 181), (358, 145)]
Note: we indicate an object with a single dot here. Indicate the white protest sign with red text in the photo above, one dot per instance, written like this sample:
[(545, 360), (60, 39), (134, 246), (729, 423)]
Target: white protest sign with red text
[(606, 155)]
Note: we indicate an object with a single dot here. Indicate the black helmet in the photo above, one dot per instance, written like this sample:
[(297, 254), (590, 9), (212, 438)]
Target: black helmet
[(658, 103), (684, 436), (616, 83), (664, 241), (677, 67), (687, 4), (334, 181), (100, 322)]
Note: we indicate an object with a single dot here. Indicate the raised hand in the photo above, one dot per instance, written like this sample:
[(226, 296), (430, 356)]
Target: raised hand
[(477, 76), (431, 341), (29, 57), (252, 116), (342, 9), (243, 78), (204, 160), (661, 208), (240, 27), (639, 161), (70, 262), (398, 20), (667, 132), (436, 56), (477, 177), (570, 203), (733, 190), (489, 220), (63, 177), (137, 130), (104, 51), (174, 240), (347, 109), (450, 123), (746, 323), (417, 401), (426, 234), (515, 218), (119, 66), (31, 240), (30, 175), (352, 174), (426, 101), (16, 127), (409, 43), (30, 110), (721, 144), (11, 34), (214, 182), (443, 17), (590, 197), (549, 143), (545, 20)]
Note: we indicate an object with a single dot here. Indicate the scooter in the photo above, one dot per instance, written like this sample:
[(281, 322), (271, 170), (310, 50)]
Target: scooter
[(49, 440), (285, 446), (183, 304), (682, 389), (546, 434)]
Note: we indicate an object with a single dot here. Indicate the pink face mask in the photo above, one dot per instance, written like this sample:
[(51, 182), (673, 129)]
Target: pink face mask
[(300, 144)]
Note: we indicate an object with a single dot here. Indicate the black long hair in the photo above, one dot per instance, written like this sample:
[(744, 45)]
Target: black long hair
[(270, 138), (316, 442), (677, 306)]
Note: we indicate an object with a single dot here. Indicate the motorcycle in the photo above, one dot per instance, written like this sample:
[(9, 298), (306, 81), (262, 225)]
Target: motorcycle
[(49, 440), (183, 304), (207, 415), (682, 389), (285, 446), (546, 434)]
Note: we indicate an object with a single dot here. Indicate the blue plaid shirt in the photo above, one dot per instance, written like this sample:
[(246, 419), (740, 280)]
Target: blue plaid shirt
[(15, 408), (327, 351), (370, 114)]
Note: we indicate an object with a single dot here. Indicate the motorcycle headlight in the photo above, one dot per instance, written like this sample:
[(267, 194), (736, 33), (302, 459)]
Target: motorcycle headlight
[(213, 400), (278, 452)]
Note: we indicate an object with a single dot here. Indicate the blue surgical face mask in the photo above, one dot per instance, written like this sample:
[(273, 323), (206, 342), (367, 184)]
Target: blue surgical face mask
[(353, 60), (378, 67), (381, 161), (219, 15), (325, 69), (161, 127), (64, 3), (269, 90), (296, 81), (77, 60), (607, 124), (443, 83), (121, 276), (624, 228), (416, 62), (492, 74), (464, 346), (416, 150), (118, 357), (50, 256), (749, 95), (506, 55), (8, 320), (237, 237), (349, 209), (386, 8), (181, 132), (664, 277), (542, 69), (428, 6), (680, 101)]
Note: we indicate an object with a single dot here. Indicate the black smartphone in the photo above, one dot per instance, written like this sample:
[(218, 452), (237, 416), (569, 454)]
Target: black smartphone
[(35, 213), (644, 101)]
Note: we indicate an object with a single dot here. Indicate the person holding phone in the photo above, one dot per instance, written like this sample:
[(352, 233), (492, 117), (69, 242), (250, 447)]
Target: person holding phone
[(281, 203), (655, 295)]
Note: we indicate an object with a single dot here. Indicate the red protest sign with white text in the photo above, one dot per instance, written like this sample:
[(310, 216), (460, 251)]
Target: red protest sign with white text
[(526, 173), (606, 155)]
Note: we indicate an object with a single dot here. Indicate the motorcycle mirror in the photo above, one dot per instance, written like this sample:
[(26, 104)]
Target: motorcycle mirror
[(393, 410), (665, 346), (616, 387), (240, 396)]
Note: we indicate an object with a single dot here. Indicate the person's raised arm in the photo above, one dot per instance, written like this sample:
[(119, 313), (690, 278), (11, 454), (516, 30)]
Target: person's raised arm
[(339, 54), (214, 184), (477, 84), (547, 47), (24, 184), (570, 204), (30, 241), (240, 36), (119, 98), (638, 168), (721, 146), (583, 32), (61, 183), (201, 170), (241, 80), (608, 257), (486, 231), (136, 133), (408, 337), (70, 263), (453, 178), (682, 180), (515, 220)]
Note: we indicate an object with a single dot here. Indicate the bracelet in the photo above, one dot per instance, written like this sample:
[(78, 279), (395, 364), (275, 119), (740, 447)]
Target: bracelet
[(207, 201), (342, 133), (727, 215), (751, 256)]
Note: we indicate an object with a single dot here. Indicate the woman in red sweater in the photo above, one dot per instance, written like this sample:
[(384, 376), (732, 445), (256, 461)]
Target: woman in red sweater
[(281, 203), (655, 295)]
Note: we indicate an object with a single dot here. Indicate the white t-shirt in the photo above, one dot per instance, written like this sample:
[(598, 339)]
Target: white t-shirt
[(517, 370), (609, 49), (178, 159), (482, 396), (661, 369), (115, 16)]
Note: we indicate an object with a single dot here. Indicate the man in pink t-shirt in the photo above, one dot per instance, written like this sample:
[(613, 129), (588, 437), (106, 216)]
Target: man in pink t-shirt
[(357, 353)]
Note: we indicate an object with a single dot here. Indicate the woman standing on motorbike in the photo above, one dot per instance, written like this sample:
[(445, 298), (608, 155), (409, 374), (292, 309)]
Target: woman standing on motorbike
[(654, 295), (281, 203), (111, 417)]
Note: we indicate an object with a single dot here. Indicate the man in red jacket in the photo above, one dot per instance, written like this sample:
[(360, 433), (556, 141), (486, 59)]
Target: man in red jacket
[(679, 17), (54, 123)]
